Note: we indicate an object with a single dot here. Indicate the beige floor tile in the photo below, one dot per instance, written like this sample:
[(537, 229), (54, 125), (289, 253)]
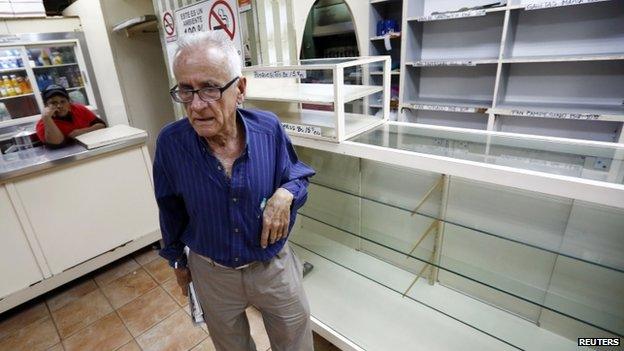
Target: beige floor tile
[(160, 270), (147, 310), (131, 346), (57, 347), (256, 326), (205, 345), (107, 333), (80, 313), (172, 288), (146, 255), (70, 293), (22, 316), (128, 287), (38, 336), (174, 333), (115, 271)]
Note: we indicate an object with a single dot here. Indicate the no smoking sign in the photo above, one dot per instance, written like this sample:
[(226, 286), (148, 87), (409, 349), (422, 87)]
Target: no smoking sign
[(221, 17)]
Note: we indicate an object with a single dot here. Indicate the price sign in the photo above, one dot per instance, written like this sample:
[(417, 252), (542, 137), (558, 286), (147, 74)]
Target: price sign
[(279, 74), (301, 129)]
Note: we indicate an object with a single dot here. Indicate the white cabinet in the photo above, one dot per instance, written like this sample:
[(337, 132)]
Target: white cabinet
[(18, 267), (82, 211)]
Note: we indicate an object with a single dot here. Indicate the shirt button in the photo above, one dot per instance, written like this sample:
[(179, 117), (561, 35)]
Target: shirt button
[(234, 199), (235, 230), (236, 259), (220, 168)]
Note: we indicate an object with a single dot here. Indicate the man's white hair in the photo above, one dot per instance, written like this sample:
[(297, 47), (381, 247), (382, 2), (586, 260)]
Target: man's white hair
[(212, 38)]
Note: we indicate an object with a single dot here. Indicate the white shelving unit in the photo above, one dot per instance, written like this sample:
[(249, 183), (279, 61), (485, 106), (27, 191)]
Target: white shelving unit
[(561, 61), (322, 98)]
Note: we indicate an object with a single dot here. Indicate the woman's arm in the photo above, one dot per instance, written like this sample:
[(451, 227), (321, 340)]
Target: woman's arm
[(77, 132), (53, 134)]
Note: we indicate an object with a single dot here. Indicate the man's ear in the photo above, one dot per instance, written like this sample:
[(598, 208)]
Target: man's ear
[(242, 89)]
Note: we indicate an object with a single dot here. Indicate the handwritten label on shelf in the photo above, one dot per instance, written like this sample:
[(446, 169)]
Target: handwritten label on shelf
[(442, 63), (549, 4), (558, 115), (301, 129), (453, 15), (280, 74), (459, 109)]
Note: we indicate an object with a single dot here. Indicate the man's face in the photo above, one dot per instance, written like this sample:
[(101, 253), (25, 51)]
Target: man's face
[(197, 69), (60, 103)]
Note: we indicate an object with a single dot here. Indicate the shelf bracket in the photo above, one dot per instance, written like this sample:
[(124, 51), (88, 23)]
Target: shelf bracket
[(418, 276), (428, 194), (433, 225)]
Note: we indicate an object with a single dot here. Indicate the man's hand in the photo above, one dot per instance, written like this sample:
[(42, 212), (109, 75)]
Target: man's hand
[(48, 112), (276, 217), (183, 276)]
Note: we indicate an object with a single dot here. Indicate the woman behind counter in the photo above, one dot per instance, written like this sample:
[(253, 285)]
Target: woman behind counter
[(62, 119)]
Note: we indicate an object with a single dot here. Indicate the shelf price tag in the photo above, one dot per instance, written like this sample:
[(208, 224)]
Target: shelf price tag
[(301, 129), (459, 109), (280, 74), (560, 3), (558, 115), (445, 16), (442, 63)]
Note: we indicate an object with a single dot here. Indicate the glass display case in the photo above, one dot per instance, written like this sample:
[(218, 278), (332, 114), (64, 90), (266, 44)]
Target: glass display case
[(30, 62), (408, 253), (328, 99)]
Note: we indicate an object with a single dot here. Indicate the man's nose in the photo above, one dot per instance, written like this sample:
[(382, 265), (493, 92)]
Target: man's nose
[(197, 103)]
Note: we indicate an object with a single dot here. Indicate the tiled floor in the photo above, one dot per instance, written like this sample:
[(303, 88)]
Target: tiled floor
[(132, 304)]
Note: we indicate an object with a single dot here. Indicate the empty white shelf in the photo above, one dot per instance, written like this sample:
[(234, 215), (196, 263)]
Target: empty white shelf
[(449, 105), (453, 62), (561, 111), (565, 58), (354, 123), (312, 93)]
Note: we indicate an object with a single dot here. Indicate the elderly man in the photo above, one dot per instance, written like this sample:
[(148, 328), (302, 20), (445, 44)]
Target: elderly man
[(228, 184)]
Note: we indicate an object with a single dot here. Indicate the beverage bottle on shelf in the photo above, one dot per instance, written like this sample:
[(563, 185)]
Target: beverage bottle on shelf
[(8, 86), (3, 91), (57, 59), (31, 61), (15, 85), (44, 58), (23, 84)]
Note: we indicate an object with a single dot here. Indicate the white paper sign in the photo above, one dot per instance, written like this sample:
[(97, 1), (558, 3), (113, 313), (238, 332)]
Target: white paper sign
[(210, 15), (280, 74), (442, 63), (558, 115), (549, 4), (459, 109), (445, 16), (301, 129)]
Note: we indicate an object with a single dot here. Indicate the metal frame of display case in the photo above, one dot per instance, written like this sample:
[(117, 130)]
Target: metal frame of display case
[(337, 94), (83, 61)]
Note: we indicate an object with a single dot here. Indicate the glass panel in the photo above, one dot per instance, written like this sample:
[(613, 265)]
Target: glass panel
[(58, 65), (574, 160), (16, 94)]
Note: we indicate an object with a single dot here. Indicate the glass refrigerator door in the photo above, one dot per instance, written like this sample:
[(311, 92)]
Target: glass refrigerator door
[(17, 99), (60, 64)]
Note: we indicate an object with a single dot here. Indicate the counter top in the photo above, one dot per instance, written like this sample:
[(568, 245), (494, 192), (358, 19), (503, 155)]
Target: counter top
[(41, 158)]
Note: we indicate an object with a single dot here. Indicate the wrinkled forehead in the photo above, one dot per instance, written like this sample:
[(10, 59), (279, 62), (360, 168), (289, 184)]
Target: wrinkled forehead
[(208, 60)]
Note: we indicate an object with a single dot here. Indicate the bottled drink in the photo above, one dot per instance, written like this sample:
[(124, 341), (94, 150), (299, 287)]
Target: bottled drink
[(23, 84), (8, 86), (3, 91)]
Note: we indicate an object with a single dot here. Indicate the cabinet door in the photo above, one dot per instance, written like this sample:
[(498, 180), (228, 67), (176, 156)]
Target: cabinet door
[(18, 268), (88, 208)]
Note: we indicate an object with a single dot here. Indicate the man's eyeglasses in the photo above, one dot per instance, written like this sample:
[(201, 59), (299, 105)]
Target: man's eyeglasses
[(208, 94)]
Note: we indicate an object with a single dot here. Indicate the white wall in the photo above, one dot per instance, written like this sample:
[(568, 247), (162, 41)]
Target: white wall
[(94, 27), (141, 69), (40, 25)]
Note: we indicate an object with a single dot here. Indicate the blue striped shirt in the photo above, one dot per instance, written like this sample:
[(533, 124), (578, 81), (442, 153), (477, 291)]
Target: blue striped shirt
[(217, 216)]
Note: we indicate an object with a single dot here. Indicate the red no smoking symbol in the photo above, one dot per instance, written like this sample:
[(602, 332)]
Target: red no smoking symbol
[(168, 23), (222, 17)]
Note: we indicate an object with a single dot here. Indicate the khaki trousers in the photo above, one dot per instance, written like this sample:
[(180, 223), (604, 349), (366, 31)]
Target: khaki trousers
[(274, 287)]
